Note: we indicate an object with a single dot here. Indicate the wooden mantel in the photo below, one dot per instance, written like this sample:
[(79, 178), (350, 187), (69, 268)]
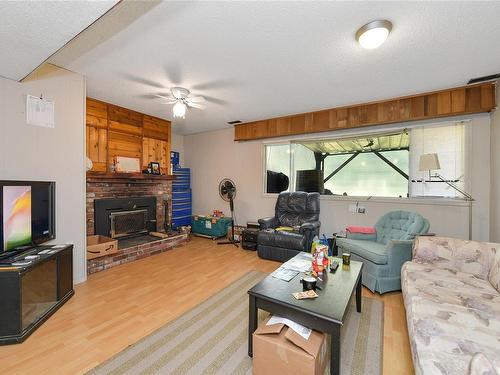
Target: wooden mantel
[(127, 177), (444, 103)]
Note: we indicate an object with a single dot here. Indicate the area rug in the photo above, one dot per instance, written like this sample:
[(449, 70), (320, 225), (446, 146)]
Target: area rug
[(212, 339)]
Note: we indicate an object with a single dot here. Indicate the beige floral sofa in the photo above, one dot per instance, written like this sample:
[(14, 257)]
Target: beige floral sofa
[(451, 292)]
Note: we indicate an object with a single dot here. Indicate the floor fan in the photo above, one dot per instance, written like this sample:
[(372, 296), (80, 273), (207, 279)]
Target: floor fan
[(227, 191)]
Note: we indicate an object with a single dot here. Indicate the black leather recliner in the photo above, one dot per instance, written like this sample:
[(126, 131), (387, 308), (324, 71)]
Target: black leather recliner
[(299, 210)]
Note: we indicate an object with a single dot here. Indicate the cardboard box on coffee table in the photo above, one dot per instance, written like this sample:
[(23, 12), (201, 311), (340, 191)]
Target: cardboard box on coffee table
[(278, 349)]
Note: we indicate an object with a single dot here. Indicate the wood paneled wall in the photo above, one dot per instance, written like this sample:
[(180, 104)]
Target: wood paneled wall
[(451, 102), (115, 131)]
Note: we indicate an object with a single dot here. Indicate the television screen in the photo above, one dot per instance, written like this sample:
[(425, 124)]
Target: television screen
[(16, 216), (27, 214)]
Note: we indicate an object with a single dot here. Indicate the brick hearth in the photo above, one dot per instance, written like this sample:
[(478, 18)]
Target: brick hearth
[(135, 252)]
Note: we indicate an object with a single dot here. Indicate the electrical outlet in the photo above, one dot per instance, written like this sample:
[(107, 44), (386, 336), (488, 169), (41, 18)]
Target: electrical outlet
[(361, 210)]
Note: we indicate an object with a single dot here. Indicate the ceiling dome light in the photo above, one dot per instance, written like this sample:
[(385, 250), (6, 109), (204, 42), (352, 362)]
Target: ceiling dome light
[(179, 110), (373, 34)]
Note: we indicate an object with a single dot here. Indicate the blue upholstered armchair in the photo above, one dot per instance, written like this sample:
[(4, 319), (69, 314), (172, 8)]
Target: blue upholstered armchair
[(384, 252)]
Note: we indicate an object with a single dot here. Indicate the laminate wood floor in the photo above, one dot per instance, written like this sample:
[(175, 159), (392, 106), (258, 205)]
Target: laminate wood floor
[(115, 308)]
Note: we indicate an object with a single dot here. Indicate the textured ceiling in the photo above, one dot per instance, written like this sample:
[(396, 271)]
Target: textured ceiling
[(31, 31), (256, 60)]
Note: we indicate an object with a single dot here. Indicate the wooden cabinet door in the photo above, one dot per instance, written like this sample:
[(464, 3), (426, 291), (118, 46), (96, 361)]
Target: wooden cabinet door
[(97, 134), (97, 143), (155, 150)]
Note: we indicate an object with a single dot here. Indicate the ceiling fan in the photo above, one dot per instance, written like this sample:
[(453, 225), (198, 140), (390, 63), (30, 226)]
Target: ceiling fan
[(181, 99)]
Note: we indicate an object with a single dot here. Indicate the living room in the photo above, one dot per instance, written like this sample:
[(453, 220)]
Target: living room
[(361, 134)]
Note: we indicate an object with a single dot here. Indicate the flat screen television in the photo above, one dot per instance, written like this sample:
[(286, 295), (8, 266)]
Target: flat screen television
[(27, 215)]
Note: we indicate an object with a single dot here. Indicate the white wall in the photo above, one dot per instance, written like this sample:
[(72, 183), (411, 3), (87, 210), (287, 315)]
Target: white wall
[(214, 155), (35, 153), (495, 172), (178, 145)]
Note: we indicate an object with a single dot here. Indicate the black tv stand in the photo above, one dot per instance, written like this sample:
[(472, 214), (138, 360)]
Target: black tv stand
[(31, 293), (34, 250), (7, 255)]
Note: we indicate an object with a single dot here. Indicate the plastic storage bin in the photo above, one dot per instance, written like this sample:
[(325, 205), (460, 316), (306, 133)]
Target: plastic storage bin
[(209, 226)]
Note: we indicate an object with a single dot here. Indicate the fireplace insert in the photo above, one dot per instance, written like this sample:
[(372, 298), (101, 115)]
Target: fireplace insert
[(126, 223), (125, 217)]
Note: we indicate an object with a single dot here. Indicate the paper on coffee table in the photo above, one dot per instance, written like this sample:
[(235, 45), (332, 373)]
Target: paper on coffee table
[(303, 255), (284, 274), (300, 329), (298, 264)]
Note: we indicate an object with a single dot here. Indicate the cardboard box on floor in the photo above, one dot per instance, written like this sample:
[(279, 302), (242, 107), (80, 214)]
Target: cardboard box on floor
[(278, 349)]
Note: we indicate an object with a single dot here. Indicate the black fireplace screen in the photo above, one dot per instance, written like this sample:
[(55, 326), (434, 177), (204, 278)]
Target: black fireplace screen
[(128, 216), (125, 223)]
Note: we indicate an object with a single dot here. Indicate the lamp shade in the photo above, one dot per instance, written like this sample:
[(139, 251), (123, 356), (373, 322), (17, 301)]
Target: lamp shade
[(429, 162), (179, 109)]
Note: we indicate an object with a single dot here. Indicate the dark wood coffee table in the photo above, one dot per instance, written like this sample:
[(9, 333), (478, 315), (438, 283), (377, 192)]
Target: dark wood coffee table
[(326, 313)]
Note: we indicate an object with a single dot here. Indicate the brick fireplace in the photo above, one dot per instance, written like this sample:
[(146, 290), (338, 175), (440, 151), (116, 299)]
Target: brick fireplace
[(109, 189)]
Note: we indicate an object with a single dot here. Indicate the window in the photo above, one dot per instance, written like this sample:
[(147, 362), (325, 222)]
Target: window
[(379, 165), (363, 166), (277, 164), (369, 175), (449, 143)]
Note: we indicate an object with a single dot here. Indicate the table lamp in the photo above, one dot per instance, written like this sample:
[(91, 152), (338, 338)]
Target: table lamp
[(430, 162)]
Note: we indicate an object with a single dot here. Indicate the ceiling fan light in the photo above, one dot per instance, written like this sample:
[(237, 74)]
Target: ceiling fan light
[(373, 34), (179, 110), (179, 92)]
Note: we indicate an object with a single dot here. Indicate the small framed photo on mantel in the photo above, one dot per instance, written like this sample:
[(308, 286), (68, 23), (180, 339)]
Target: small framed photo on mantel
[(155, 167)]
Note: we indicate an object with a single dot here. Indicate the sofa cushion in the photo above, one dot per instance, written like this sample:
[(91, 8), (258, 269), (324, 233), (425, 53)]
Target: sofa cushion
[(446, 336), (451, 316), (494, 274), (451, 287), (472, 257), (481, 365), (296, 208), (373, 251), (400, 225), (279, 254), (283, 239)]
